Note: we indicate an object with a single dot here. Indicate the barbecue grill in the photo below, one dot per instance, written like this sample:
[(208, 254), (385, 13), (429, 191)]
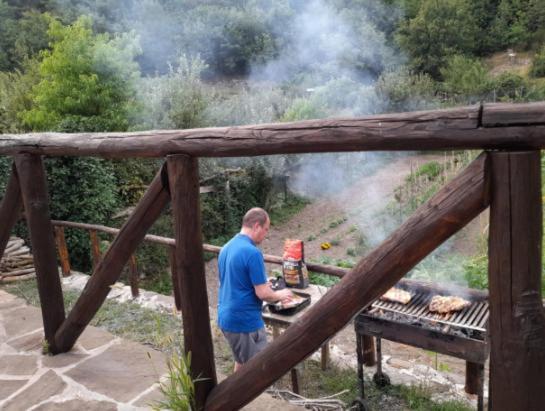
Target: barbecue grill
[(460, 334)]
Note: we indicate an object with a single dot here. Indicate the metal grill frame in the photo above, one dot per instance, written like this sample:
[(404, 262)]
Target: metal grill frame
[(413, 331)]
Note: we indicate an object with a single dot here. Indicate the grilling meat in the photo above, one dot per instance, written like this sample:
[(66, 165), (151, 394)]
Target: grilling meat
[(446, 304), (396, 295)]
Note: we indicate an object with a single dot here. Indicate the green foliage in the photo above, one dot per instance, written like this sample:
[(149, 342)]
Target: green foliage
[(177, 99), (418, 399), (304, 109), (15, 89), (82, 190), (403, 90), (510, 86), (439, 30), (431, 170), (179, 388), (476, 271), (250, 104), (538, 64), (85, 79), (283, 211), (465, 76)]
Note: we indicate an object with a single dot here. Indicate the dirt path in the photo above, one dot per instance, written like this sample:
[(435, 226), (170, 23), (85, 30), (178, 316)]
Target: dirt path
[(348, 221)]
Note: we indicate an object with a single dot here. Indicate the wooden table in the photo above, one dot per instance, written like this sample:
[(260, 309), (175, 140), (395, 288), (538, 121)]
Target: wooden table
[(279, 322)]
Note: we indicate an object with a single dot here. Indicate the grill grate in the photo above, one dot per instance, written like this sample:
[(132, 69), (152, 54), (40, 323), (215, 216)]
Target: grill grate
[(474, 317)]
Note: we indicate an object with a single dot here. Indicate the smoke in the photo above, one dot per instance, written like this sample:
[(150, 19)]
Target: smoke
[(323, 44)]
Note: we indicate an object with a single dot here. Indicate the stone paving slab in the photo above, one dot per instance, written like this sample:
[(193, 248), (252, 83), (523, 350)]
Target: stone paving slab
[(102, 372)]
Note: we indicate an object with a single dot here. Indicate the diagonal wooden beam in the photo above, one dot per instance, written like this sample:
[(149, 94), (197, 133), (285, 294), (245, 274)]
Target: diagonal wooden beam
[(109, 268), (10, 209), (183, 173), (517, 317), (31, 173), (448, 211)]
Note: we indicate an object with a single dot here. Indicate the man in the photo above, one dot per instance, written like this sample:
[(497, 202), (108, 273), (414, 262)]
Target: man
[(243, 287)]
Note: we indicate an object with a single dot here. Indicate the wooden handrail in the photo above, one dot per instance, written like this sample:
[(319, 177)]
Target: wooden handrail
[(273, 259), (488, 126)]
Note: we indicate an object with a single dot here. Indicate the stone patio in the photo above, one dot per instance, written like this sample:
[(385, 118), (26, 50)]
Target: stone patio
[(102, 372)]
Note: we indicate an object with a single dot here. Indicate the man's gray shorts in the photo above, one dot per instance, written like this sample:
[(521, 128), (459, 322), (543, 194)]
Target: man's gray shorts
[(246, 345)]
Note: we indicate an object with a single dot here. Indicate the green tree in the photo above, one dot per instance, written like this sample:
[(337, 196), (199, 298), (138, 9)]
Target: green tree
[(85, 84), (85, 78), (439, 30), (466, 77), (8, 25)]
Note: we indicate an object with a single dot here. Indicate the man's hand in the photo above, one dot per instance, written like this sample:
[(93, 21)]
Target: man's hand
[(284, 295), (266, 293)]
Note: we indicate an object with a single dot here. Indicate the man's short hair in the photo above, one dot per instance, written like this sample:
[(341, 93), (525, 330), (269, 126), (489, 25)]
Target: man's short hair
[(255, 215)]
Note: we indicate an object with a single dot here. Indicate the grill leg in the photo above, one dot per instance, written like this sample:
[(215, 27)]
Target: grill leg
[(359, 352), (475, 381), (380, 379)]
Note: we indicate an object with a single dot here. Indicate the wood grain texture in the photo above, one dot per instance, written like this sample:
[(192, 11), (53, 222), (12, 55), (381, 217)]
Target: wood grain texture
[(109, 268), (183, 175), (62, 250), (10, 209), (449, 210), (32, 178), (517, 318)]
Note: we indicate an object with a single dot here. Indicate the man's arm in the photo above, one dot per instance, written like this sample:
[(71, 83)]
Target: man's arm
[(266, 293)]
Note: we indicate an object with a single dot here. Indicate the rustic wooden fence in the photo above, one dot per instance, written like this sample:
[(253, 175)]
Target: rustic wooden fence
[(505, 177)]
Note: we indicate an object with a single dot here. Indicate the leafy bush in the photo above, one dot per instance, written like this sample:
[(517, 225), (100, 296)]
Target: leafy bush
[(177, 99), (402, 90), (538, 64), (509, 86), (82, 190), (466, 77), (476, 272)]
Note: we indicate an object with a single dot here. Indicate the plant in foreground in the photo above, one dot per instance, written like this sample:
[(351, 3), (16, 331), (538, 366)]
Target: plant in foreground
[(179, 387)]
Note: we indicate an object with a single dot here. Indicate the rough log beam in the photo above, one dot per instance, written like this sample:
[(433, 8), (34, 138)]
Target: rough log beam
[(10, 209), (183, 175), (31, 173), (109, 267), (517, 318), (443, 215), (492, 126)]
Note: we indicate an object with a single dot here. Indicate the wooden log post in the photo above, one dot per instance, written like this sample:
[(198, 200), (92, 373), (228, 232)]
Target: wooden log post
[(448, 211), (174, 275), (133, 276), (517, 319), (110, 266), (63, 251), (31, 174), (95, 247), (10, 209), (183, 173)]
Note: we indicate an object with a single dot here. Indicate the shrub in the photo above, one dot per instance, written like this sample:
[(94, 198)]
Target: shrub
[(509, 86), (538, 64)]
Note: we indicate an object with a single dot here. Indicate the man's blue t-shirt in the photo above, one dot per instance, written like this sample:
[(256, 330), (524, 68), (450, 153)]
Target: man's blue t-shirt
[(241, 266)]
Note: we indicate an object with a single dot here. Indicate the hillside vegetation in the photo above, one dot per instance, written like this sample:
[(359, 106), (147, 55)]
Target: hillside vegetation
[(74, 66)]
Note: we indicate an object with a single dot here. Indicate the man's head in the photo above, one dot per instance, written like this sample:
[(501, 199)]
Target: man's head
[(255, 224)]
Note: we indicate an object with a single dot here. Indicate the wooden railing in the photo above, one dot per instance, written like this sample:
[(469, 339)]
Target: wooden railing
[(93, 229), (505, 177)]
